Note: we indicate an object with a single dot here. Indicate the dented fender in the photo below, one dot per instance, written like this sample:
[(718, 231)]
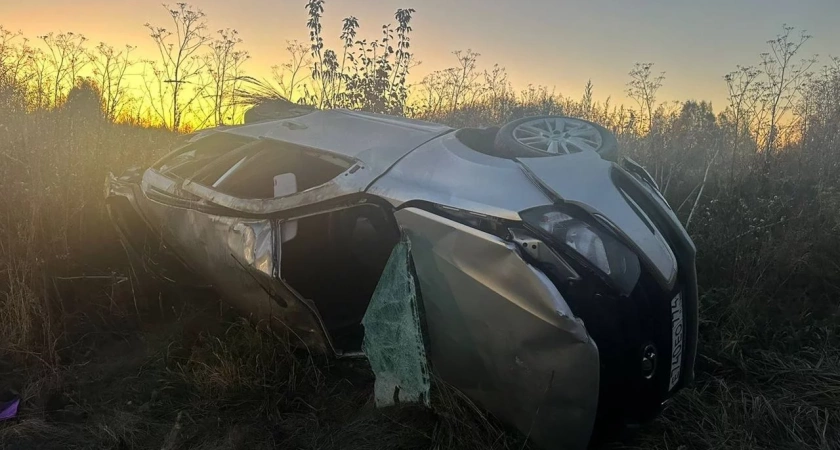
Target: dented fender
[(499, 331)]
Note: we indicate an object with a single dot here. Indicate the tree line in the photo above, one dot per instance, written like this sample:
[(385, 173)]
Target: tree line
[(785, 101)]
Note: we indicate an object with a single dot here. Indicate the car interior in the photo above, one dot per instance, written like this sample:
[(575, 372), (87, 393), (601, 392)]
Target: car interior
[(334, 259), (253, 175), (184, 161), (245, 167)]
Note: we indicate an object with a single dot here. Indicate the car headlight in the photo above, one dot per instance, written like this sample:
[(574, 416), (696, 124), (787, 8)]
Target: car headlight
[(600, 251)]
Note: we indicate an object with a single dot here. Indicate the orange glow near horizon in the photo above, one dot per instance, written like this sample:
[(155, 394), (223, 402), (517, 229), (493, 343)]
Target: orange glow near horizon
[(559, 45)]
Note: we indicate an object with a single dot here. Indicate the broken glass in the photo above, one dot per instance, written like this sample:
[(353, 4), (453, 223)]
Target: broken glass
[(393, 339)]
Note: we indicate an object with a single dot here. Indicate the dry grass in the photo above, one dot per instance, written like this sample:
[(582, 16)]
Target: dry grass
[(755, 398), (99, 366), (53, 223), (184, 384)]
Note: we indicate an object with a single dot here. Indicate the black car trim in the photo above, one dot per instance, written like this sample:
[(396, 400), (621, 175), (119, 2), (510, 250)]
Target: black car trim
[(685, 252)]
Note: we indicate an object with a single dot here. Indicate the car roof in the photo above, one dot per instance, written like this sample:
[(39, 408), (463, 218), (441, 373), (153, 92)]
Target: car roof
[(359, 135)]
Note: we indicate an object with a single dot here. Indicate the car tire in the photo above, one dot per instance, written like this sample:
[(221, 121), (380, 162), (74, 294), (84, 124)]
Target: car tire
[(554, 135)]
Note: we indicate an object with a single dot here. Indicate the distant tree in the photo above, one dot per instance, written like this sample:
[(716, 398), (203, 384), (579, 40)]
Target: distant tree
[(315, 9), (84, 101), (697, 144), (463, 78), (287, 82), (38, 70), (783, 81), (66, 56), (371, 75), (13, 80), (224, 66), (110, 68), (378, 81), (819, 122), (290, 76), (643, 87), (349, 29), (741, 95), (175, 86), (7, 52), (586, 103), (455, 86)]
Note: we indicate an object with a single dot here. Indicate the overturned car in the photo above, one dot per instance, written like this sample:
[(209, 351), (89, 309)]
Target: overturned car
[(551, 284)]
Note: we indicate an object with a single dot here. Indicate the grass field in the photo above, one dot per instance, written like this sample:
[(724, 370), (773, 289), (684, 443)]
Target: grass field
[(102, 359), (102, 363)]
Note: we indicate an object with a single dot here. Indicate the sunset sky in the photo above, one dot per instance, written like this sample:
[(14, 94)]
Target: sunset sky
[(557, 43)]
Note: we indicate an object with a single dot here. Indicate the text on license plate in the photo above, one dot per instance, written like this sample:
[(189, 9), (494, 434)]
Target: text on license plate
[(676, 340)]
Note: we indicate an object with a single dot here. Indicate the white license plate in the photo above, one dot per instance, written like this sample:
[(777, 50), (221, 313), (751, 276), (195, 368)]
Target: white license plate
[(677, 333)]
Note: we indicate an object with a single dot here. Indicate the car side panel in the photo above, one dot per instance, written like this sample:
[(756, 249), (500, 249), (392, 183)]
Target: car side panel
[(446, 172), (501, 332), (241, 258)]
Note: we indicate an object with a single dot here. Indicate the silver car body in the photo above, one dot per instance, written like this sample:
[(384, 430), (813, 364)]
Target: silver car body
[(498, 328)]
